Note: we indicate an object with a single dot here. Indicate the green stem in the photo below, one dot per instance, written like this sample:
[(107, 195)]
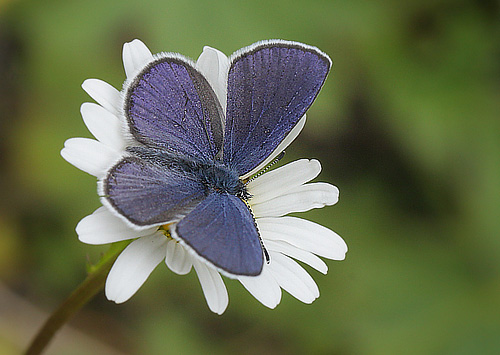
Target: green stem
[(84, 293)]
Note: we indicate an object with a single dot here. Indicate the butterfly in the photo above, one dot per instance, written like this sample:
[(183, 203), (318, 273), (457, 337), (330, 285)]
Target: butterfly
[(190, 154)]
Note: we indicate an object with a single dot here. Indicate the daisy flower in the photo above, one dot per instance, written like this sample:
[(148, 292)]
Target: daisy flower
[(274, 194)]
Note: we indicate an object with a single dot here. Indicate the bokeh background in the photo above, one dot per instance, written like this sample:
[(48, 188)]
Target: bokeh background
[(407, 126)]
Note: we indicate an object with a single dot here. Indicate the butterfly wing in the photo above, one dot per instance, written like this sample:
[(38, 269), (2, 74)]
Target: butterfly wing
[(148, 193), (169, 105), (222, 230), (169, 108), (271, 85)]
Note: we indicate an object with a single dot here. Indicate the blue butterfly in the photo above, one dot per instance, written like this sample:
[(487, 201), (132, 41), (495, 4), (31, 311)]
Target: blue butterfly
[(187, 154)]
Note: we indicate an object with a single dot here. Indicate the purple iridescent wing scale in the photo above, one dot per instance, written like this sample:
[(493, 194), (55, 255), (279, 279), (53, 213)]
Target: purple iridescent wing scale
[(270, 87), (169, 105), (147, 193), (222, 230)]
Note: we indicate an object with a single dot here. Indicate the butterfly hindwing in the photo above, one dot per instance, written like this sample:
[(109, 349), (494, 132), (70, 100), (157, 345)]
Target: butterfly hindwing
[(170, 105), (222, 230), (147, 193), (271, 85)]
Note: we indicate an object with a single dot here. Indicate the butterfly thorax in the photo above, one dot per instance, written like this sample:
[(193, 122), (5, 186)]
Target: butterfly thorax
[(218, 177), (215, 176)]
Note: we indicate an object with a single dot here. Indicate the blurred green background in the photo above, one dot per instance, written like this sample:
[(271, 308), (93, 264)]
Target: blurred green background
[(407, 126)]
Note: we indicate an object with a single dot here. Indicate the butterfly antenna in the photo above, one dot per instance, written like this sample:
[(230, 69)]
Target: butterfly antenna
[(264, 250), (266, 253), (277, 159)]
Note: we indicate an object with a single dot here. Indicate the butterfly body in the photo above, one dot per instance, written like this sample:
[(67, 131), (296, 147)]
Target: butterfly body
[(215, 176), (192, 148)]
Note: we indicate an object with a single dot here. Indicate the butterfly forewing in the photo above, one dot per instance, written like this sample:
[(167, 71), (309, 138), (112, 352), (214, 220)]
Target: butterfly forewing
[(270, 87), (222, 230), (170, 105)]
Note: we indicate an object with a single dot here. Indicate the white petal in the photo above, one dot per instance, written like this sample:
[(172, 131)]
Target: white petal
[(263, 287), (89, 155), (133, 267), (293, 278), (279, 181), (213, 287), (214, 65), (178, 259), (103, 227), (303, 234), (105, 126), (300, 199), (297, 253), (104, 94), (135, 56), (281, 147)]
